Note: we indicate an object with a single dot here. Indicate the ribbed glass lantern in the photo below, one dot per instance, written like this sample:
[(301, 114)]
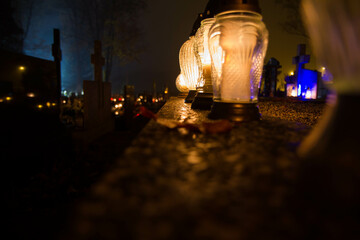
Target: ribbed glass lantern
[(203, 99), (238, 42), (189, 65), (203, 54), (181, 84)]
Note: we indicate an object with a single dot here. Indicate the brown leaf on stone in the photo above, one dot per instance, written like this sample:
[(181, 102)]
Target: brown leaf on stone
[(221, 126), (169, 123), (147, 113)]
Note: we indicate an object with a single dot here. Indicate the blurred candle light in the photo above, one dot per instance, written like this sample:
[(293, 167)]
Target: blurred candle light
[(334, 28), (30, 95), (308, 94), (204, 96), (181, 84), (189, 67), (238, 42)]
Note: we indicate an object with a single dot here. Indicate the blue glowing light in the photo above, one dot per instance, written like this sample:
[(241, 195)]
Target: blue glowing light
[(307, 81)]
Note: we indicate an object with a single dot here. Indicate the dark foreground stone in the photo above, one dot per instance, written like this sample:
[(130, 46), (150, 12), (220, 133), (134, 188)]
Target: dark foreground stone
[(175, 184)]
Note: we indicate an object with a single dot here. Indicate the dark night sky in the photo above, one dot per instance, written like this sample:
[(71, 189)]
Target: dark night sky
[(167, 25)]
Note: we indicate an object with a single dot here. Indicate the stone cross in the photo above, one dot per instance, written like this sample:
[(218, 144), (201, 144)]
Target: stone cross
[(56, 52), (98, 61), (300, 60)]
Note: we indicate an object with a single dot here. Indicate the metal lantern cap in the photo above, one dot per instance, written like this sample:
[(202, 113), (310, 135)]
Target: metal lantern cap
[(239, 5)]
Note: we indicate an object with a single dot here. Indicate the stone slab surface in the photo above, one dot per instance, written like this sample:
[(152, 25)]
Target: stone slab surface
[(174, 184)]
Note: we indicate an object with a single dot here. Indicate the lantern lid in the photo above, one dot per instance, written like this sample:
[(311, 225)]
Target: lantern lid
[(238, 5), (197, 24), (208, 14)]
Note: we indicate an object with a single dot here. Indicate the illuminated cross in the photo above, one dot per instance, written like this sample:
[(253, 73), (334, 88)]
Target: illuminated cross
[(300, 60)]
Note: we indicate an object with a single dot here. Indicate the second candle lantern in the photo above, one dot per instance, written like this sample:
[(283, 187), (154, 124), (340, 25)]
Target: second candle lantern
[(204, 96)]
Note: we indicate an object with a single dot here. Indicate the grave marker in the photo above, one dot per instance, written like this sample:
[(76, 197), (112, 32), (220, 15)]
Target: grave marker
[(97, 104)]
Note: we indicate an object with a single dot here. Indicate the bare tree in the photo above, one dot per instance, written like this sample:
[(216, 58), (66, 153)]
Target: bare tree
[(292, 22), (23, 14), (10, 31), (114, 22)]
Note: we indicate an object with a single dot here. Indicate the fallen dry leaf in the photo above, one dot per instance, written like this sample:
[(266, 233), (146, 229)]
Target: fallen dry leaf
[(221, 126)]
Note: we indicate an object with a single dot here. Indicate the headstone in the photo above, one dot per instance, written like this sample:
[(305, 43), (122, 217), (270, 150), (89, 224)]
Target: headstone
[(129, 105), (300, 60), (154, 90), (270, 79), (97, 104), (306, 81)]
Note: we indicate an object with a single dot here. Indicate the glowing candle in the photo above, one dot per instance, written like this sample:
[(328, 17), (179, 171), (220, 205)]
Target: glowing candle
[(203, 54), (238, 42), (181, 83), (189, 64)]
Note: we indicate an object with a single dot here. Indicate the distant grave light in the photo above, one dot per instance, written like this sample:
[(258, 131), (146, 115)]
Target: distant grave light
[(30, 95), (22, 68)]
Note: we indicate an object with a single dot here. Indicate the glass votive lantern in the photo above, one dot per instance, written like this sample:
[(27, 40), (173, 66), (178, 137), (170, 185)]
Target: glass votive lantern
[(189, 67), (181, 85), (204, 97), (238, 42)]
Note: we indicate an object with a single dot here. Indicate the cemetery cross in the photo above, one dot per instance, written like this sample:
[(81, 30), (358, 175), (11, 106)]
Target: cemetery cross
[(98, 61)]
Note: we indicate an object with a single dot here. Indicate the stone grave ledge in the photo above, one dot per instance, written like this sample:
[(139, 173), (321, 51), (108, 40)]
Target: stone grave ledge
[(171, 184)]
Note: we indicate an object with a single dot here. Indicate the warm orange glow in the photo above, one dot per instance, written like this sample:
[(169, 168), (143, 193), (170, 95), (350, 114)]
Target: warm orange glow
[(30, 95), (8, 98), (291, 90), (1, 100), (48, 104), (22, 68), (40, 106), (181, 83), (53, 104), (291, 73), (308, 94)]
